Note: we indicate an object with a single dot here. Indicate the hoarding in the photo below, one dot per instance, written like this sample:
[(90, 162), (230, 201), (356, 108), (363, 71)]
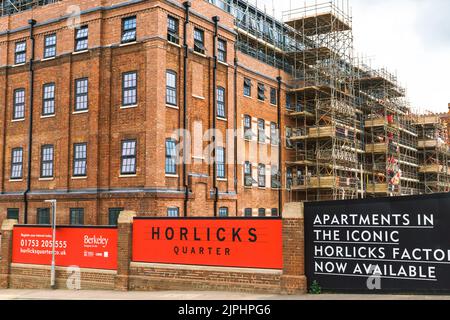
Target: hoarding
[(228, 242), (84, 247), (386, 245)]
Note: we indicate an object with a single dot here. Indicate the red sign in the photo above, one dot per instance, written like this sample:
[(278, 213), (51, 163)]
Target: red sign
[(83, 247), (243, 243)]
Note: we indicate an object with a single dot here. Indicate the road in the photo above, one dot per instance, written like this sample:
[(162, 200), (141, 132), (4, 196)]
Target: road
[(25, 294)]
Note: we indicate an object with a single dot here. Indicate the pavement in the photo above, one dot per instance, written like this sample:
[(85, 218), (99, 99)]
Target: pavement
[(27, 294)]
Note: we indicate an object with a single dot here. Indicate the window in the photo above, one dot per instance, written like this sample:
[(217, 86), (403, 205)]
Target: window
[(48, 98), (273, 96), (20, 52), (129, 88), (261, 131), (261, 212), (171, 157), (288, 137), (171, 88), (248, 212), (222, 50), (199, 41), (47, 161), (247, 87), (79, 159), (221, 102), (288, 101), (248, 179), (12, 214), (248, 133), (261, 176), (113, 215), (261, 92), (19, 104), (223, 212), (274, 134), (81, 38), (50, 46), (275, 178), (274, 212), (81, 94), (220, 162), (16, 163), (128, 29), (77, 216), (289, 178), (128, 163), (173, 30), (173, 212), (43, 216)]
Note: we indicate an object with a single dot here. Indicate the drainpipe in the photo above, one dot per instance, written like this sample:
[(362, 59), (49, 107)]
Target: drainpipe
[(31, 23), (216, 20), (186, 5), (280, 170)]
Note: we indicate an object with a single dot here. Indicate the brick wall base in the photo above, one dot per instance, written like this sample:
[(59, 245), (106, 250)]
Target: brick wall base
[(38, 277), (291, 285), (3, 281), (151, 276), (148, 277)]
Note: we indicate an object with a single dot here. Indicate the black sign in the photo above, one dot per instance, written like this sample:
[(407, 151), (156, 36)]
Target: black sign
[(386, 245)]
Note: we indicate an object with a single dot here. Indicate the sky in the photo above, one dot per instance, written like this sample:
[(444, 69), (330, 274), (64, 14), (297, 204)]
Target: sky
[(410, 38)]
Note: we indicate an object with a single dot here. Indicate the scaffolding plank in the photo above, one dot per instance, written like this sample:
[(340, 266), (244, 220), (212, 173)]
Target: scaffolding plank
[(319, 24)]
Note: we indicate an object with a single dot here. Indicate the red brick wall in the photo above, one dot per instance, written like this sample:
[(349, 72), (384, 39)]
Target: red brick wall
[(145, 276), (38, 277)]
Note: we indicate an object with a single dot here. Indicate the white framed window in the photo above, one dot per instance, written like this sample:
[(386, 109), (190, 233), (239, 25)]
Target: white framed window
[(220, 162), (81, 38), (221, 103), (20, 53), (222, 50), (128, 29), (129, 88), (199, 41), (47, 158), (81, 94), (173, 30), (19, 104), (171, 88), (128, 162), (16, 163), (262, 175), (50, 45), (173, 212), (223, 212), (79, 159), (48, 99)]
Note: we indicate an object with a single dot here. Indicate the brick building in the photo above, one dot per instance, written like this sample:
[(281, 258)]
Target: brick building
[(103, 96), (98, 97)]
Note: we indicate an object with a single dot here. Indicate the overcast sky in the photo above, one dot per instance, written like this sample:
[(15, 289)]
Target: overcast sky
[(409, 37)]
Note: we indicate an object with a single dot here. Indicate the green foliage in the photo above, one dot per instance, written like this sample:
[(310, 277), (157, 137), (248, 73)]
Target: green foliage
[(315, 288)]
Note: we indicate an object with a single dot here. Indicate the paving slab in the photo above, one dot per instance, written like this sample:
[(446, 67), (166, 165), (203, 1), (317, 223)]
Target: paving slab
[(28, 294)]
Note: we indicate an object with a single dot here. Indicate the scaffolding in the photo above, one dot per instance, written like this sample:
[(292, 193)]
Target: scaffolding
[(328, 127), (434, 155), (391, 162), (259, 34), (8, 7)]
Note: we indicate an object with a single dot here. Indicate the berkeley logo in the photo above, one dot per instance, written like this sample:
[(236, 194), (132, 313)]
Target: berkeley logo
[(95, 240)]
